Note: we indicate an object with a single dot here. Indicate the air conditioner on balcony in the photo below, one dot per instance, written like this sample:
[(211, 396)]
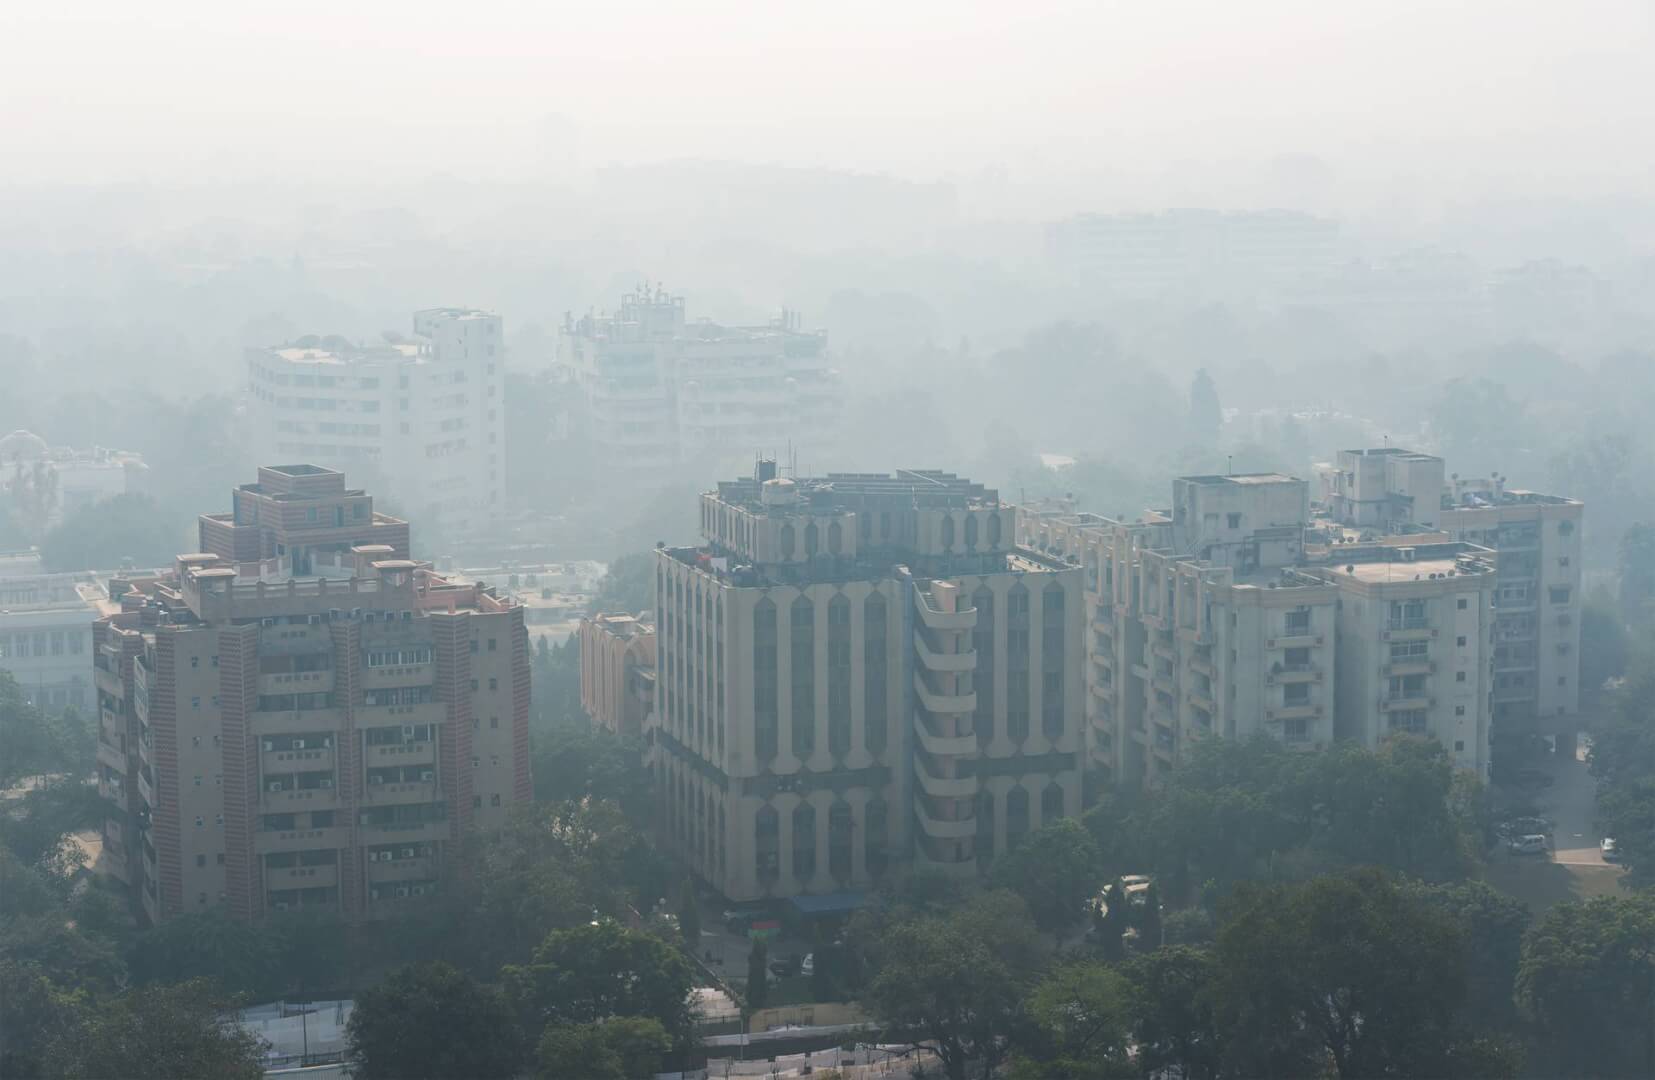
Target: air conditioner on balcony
[(402, 890), (407, 616), (408, 853), (268, 620), (408, 732), (298, 744), (327, 742), (419, 890), (270, 744), (274, 785), (314, 620), (356, 613), (427, 774), (326, 781), (376, 779), (280, 905)]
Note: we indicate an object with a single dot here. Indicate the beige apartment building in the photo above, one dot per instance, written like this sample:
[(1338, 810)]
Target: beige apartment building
[(300, 716), (857, 671), (617, 671), (1537, 537), (1217, 617)]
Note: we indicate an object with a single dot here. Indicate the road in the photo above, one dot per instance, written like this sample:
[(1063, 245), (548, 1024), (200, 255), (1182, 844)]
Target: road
[(1575, 869)]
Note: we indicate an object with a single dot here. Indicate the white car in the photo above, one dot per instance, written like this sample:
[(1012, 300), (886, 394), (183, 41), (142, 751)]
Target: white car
[(1611, 850), (1532, 844), (807, 966)]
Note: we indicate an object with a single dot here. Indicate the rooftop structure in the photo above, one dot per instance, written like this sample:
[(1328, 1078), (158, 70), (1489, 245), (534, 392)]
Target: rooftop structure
[(46, 635), (65, 478)]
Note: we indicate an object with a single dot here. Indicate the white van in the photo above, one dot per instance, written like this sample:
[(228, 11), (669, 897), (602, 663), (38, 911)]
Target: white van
[(1532, 844)]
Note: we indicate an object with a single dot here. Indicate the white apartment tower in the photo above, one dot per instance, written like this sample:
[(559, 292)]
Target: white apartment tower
[(656, 389), (422, 415)]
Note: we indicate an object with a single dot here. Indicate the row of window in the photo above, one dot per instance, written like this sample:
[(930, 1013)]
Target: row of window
[(43, 643)]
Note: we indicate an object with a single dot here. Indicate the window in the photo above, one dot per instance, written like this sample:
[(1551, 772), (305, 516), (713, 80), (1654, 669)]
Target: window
[(1459, 676), (494, 800), (218, 819), (1459, 710), (494, 684), (201, 860), (1404, 651), (476, 802), (1559, 594), (1298, 622), (494, 722), (1460, 641), (200, 822), (197, 779), (195, 661), (491, 642), (1459, 745), (1296, 729), (1562, 680), (195, 740), (195, 703), (1296, 694), (1233, 520), (220, 858), (1463, 603)]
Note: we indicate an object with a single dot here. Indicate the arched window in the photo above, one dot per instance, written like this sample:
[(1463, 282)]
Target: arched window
[(764, 679), (767, 844), (985, 824), (839, 841), (839, 676), (804, 840), (994, 529), (875, 675), (1017, 816), (1051, 803), (836, 538), (874, 829), (803, 645), (947, 532), (971, 532), (812, 541), (982, 677)]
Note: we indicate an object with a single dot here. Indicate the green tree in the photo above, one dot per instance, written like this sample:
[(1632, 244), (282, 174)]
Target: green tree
[(72, 958), (689, 915), (956, 984), (590, 973), (1056, 869), (629, 585), (623, 1048), (432, 1022), (1109, 922), (1346, 970), (1626, 811), (1146, 914), (1605, 645), (211, 945), (758, 975), (1173, 1020), (37, 1013), (1587, 979), (1491, 925), (1637, 574), (1079, 1026), (573, 764), (160, 1033), (100, 536)]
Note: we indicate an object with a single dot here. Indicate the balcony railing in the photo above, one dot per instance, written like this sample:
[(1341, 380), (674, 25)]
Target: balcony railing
[(1409, 622)]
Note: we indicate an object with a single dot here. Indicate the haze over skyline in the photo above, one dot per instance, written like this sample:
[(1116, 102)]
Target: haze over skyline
[(1297, 103)]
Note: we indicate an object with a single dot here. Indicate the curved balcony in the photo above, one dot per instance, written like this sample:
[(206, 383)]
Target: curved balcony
[(941, 829), (945, 663), (943, 703), (945, 745), (957, 788), (964, 619)]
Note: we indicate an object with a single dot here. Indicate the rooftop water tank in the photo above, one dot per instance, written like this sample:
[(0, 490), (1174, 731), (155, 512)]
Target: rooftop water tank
[(779, 492)]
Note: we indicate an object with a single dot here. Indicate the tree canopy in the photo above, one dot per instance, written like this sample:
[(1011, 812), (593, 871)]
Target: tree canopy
[(432, 1022)]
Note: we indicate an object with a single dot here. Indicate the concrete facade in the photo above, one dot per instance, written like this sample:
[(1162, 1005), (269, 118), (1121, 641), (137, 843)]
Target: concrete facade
[(423, 412), (277, 737), (857, 673), (46, 636), (1222, 617), (617, 672)]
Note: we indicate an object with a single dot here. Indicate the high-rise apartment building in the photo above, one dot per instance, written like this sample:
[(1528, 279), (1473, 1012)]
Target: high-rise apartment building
[(1538, 595), (425, 412), (656, 389), (1220, 617), (300, 716), (856, 670)]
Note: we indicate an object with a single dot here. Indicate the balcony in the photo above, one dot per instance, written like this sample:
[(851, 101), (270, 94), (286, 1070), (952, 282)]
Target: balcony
[(294, 800), (408, 753), (942, 620), (296, 721), (145, 791), (1293, 673), (1507, 695), (399, 832), (387, 678), (429, 712), (277, 762), (942, 828), (1201, 701), (1291, 640), (1421, 666), (1203, 664), (945, 663), (1104, 627), (1161, 648), (963, 787), (1141, 671), (945, 745), (419, 868), (296, 682), (1306, 711), (272, 842), (112, 757), (943, 703), (1404, 702), (115, 793), (1195, 635), (301, 877), (399, 794)]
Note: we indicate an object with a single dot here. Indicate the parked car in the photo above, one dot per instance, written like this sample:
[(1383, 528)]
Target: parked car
[(1532, 844), (807, 966), (1611, 850), (785, 966), (1523, 826)]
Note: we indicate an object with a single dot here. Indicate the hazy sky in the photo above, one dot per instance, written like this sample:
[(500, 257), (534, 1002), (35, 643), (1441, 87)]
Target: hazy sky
[(1469, 95)]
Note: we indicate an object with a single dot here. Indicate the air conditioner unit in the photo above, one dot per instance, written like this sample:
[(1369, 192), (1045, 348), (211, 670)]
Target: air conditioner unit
[(407, 616), (419, 890), (402, 890), (407, 853), (298, 744), (326, 781), (427, 774), (335, 613), (275, 785), (268, 620), (356, 613), (408, 732), (281, 905), (327, 742), (376, 779), (270, 744)]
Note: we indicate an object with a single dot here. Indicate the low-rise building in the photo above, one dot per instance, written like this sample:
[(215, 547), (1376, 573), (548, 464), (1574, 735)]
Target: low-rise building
[(46, 636), (617, 671), (62, 479)]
